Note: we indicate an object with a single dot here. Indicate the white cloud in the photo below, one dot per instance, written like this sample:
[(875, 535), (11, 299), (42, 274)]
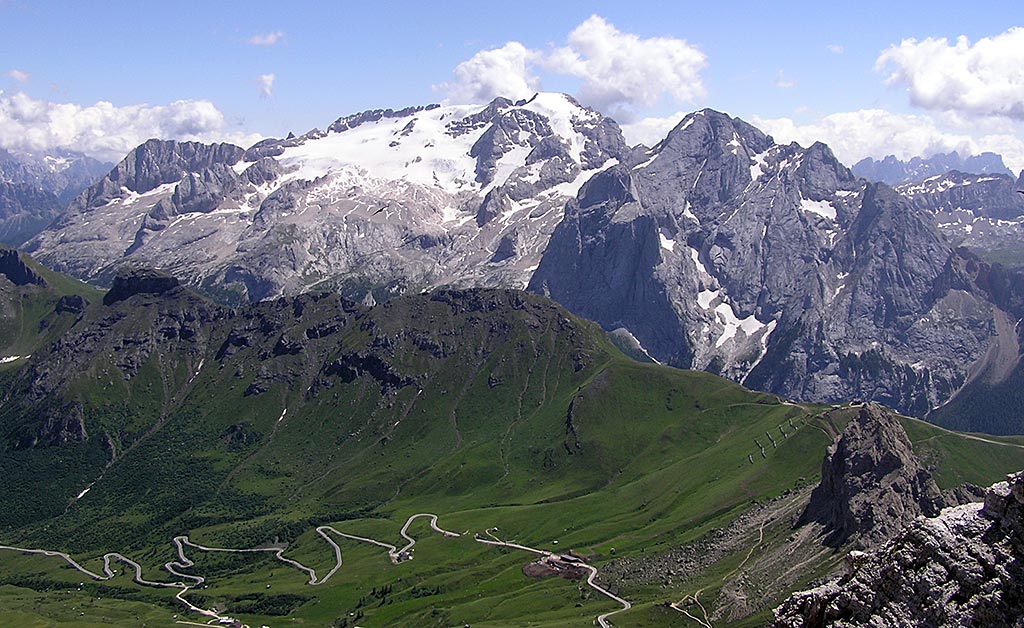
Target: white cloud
[(266, 84), (835, 49), (18, 75), (618, 72), (984, 78), (650, 131), (502, 71), (782, 82), (106, 131), (876, 133), (622, 71), (266, 39)]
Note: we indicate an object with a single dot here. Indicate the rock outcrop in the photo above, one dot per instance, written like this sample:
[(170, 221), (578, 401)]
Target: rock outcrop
[(132, 281), (17, 271), (962, 568), (871, 483)]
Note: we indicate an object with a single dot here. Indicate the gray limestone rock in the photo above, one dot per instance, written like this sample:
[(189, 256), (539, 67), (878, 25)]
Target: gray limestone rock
[(772, 265), (132, 281), (871, 483), (16, 270), (962, 568)]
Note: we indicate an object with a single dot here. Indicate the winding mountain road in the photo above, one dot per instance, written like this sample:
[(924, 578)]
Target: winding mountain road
[(189, 581)]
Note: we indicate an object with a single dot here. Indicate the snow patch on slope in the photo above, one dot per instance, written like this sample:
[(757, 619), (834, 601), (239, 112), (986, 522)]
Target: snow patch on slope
[(821, 208)]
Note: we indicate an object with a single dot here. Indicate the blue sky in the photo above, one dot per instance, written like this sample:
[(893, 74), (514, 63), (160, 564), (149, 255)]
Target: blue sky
[(785, 66)]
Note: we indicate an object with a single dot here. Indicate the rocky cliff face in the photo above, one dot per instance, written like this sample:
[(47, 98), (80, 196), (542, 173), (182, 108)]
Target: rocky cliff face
[(871, 483), (962, 568), (16, 271), (772, 265)]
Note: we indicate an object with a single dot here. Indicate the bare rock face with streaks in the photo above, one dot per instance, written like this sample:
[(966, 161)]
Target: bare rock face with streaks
[(871, 483), (962, 568), (772, 265)]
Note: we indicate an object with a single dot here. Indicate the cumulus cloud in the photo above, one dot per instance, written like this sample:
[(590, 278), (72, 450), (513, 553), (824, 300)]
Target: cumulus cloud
[(18, 75), (621, 71), (650, 131), (618, 72), (835, 49), (877, 133), (106, 131), (504, 71), (983, 78), (266, 39), (266, 84)]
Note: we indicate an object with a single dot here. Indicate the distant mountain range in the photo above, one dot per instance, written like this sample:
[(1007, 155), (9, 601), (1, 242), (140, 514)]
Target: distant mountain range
[(894, 171), (717, 249), (34, 189)]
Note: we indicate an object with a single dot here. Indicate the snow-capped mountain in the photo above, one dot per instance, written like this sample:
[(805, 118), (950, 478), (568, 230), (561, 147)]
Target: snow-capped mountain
[(774, 266), (384, 200), (717, 249)]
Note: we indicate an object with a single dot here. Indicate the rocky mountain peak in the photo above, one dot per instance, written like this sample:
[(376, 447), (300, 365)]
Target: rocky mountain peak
[(16, 270), (699, 131), (871, 482), (132, 281), (157, 162), (895, 171), (421, 196), (962, 568)]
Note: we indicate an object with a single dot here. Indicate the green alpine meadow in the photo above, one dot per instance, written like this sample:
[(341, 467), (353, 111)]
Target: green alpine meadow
[(151, 413)]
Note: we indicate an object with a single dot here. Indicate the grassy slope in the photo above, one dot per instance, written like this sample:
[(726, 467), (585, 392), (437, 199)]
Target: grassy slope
[(28, 320), (655, 457)]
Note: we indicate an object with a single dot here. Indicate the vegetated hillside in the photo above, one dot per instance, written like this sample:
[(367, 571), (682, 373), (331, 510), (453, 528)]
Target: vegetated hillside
[(36, 304), (489, 408)]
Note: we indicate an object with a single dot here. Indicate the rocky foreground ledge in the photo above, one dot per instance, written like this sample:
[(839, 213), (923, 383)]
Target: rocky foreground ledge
[(962, 568)]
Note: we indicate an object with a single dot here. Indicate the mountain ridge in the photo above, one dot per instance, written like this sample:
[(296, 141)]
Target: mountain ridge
[(894, 171), (717, 249)]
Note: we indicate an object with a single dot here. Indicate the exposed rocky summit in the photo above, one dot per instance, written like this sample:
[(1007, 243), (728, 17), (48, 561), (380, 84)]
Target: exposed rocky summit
[(962, 568), (132, 281), (772, 265), (16, 270), (871, 483), (391, 201)]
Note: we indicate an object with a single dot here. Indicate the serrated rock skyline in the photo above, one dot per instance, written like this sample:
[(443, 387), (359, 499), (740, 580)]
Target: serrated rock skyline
[(717, 249)]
